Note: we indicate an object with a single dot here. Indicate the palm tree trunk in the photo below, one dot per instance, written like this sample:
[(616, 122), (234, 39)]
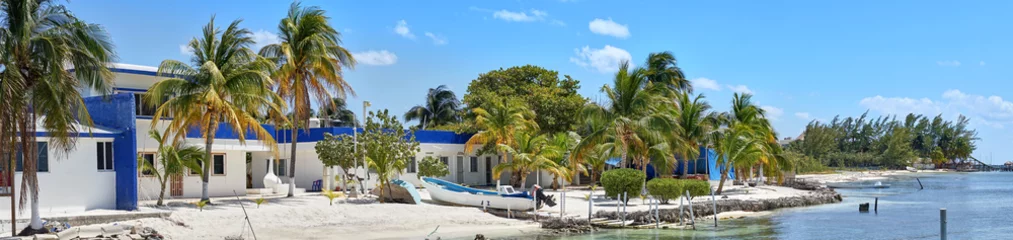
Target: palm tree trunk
[(206, 173), (524, 178), (291, 167), (555, 182), (724, 176), (685, 166), (161, 194)]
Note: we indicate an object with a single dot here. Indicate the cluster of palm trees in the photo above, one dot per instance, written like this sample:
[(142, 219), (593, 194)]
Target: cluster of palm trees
[(228, 83)]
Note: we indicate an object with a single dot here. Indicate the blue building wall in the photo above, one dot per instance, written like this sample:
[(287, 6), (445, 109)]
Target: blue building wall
[(706, 163), (116, 112)]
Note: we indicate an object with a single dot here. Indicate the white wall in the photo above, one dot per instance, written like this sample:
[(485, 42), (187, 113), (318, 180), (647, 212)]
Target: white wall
[(61, 190), (218, 185)]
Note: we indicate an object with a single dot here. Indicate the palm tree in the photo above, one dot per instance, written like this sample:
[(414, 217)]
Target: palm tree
[(562, 143), (39, 41), (173, 158), (441, 108), (530, 153), (692, 118), (227, 83), (309, 60), (594, 160), (633, 118), (661, 69), (750, 118), (337, 111), (499, 123), (735, 146)]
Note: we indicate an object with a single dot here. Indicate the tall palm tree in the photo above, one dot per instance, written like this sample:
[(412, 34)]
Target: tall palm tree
[(692, 118), (309, 59), (337, 110), (562, 143), (227, 83), (735, 146), (498, 123), (633, 117), (530, 153), (441, 108), (39, 41), (750, 118), (661, 69), (594, 160)]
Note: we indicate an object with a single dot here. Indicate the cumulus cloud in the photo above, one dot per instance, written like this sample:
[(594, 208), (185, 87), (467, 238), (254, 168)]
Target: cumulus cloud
[(988, 110), (603, 60), (402, 29), (264, 38), (511, 16), (184, 49), (803, 115), (376, 58), (609, 28), (948, 63), (739, 89), (772, 113), (705, 83), (437, 39)]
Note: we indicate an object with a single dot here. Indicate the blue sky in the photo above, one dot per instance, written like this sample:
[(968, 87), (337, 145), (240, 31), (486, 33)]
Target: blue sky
[(803, 60)]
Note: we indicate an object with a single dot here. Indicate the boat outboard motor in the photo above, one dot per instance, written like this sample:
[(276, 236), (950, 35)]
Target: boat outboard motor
[(540, 197)]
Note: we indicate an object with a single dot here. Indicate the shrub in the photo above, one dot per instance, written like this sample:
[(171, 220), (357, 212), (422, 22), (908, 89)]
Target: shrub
[(665, 189), (696, 188), (431, 167), (626, 180)]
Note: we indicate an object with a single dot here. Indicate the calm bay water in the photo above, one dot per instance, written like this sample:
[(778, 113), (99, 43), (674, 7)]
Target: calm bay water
[(979, 206)]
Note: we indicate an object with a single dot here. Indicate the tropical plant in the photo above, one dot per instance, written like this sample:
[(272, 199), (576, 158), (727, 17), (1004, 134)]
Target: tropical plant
[(620, 182), (665, 189), (694, 126), (633, 119), (227, 83), (441, 108), (530, 153), (201, 204), (336, 114), (39, 41), (173, 159), (566, 167), (331, 195), (696, 188), (337, 151), (259, 201), (432, 167), (309, 59), (553, 99), (387, 147), (595, 160), (499, 123), (661, 69)]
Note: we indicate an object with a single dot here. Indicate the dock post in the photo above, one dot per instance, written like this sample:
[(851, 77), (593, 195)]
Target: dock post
[(920, 187), (692, 216), (680, 211), (657, 214), (625, 199), (876, 207), (942, 223), (714, 203)]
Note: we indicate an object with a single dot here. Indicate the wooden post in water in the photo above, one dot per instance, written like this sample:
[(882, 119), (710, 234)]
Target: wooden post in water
[(680, 211), (942, 223), (920, 187), (876, 207), (657, 214), (692, 217), (714, 203)]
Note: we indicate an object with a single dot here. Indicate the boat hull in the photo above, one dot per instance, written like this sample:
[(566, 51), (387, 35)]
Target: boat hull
[(439, 194)]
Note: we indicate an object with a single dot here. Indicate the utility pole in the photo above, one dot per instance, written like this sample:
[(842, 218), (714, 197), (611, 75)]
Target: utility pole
[(355, 131)]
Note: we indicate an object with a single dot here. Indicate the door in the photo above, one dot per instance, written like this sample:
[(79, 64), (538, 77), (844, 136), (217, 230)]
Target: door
[(460, 169), (176, 185), (488, 170)]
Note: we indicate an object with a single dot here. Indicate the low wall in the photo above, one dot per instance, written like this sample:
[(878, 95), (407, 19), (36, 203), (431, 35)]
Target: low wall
[(700, 209)]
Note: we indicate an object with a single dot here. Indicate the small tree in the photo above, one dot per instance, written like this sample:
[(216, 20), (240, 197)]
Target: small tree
[(432, 167), (337, 151), (173, 158), (388, 146)]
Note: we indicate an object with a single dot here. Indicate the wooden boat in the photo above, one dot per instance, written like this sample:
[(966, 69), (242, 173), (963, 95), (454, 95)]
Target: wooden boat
[(911, 169), (503, 198)]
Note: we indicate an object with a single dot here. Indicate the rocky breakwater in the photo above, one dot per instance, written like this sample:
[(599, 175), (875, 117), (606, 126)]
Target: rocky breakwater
[(701, 208), (567, 225)]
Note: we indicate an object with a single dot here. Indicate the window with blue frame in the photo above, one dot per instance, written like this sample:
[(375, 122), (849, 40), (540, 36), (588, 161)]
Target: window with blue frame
[(43, 158)]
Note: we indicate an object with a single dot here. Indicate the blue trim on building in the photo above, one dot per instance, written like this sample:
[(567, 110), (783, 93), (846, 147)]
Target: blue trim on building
[(117, 112), (132, 71), (131, 89), (83, 134)]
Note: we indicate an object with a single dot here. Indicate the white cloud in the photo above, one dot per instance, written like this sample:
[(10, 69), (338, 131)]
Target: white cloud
[(948, 63), (403, 30), (558, 23), (378, 58), (705, 83), (264, 38), (772, 113), (739, 89), (604, 60), (988, 110), (803, 115), (609, 28), (981, 63), (437, 39), (509, 16), (184, 49)]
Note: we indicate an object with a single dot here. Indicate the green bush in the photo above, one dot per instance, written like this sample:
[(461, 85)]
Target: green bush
[(697, 188), (626, 180), (665, 189)]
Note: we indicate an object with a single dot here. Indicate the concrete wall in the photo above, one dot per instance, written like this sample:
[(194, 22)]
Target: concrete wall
[(73, 183)]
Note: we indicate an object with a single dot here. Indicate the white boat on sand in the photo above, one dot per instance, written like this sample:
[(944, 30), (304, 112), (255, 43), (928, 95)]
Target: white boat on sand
[(504, 198)]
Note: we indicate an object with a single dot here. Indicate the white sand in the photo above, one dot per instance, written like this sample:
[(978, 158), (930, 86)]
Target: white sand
[(859, 176)]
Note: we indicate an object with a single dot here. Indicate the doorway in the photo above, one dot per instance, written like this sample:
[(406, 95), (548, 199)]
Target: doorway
[(460, 169), (176, 185), (488, 170)]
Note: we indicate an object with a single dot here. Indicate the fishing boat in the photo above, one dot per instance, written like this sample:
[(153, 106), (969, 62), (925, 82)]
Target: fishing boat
[(505, 197)]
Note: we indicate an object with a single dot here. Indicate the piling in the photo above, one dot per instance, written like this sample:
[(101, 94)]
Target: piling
[(714, 204), (942, 223), (920, 187), (876, 208), (657, 215), (692, 216), (680, 211)]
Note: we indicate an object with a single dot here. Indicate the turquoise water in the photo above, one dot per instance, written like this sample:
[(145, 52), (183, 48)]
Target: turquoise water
[(979, 206)]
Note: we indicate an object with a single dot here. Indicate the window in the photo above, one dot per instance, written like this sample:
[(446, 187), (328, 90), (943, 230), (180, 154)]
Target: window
[(43, 157), (141, 106), (105, 156), (218, 164), (279, 169), (474, 164), (150, 158), (444, 160), (411, 166)]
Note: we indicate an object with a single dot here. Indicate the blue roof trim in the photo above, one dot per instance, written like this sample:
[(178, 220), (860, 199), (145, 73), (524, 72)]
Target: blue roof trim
[(131, 89), (132, 71)]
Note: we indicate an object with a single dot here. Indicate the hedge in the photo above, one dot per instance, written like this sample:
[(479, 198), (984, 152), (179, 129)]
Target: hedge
[(665, 189), (618, 181)]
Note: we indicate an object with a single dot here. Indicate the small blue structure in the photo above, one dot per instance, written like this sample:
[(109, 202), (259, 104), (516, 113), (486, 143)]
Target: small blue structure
[(706, 163)]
